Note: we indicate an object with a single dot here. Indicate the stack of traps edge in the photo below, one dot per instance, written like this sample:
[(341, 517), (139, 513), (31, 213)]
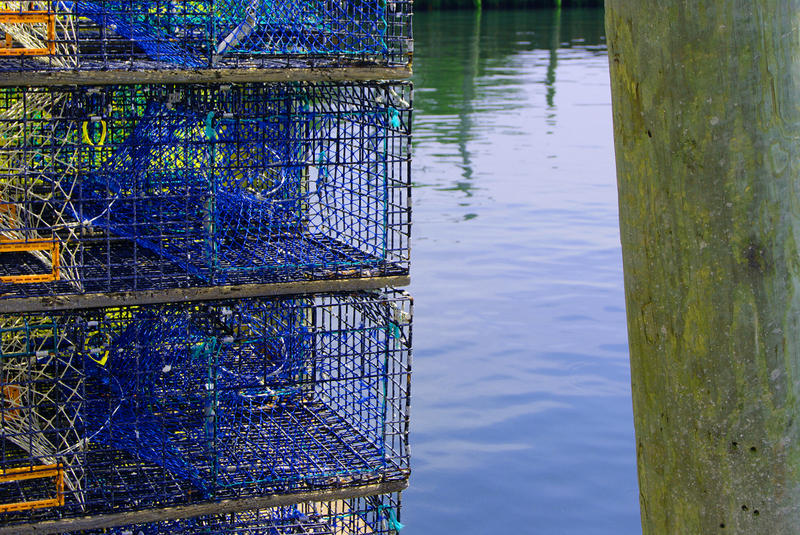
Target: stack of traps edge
[(203, 204), (147, 35), (232, 405), (139, 188)]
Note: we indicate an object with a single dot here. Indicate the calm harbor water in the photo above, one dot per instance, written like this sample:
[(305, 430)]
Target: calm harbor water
[(522, 419)]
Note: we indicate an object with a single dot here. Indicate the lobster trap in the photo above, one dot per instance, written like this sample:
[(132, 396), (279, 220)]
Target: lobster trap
[(378, 515), (140, 408), (141, 188), (153, 35)]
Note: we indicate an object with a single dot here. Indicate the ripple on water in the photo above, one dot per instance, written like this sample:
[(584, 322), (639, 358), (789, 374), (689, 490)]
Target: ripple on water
[(521, 396)]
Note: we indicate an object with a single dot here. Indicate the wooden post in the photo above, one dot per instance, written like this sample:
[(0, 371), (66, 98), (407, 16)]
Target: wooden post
[(706, 102)]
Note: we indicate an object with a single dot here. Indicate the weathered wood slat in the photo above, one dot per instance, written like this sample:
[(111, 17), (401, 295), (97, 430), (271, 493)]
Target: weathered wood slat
[(207, 508), (148, 297), (183, 76)]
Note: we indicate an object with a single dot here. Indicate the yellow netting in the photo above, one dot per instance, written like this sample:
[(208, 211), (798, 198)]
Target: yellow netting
[(41, 395), (38, 173)]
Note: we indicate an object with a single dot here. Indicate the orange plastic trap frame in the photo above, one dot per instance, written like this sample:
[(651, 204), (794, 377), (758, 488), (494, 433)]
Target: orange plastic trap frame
[(28, 17), (34, 472), (13, 246)]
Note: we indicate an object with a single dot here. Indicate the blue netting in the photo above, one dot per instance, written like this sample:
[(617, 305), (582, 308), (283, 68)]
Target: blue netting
[(121, 409), (152, 26), (288, 26), (217, 192), (210, 33), (197, 207), (167, 380), (149, 187), (203, 188), (158, 405)]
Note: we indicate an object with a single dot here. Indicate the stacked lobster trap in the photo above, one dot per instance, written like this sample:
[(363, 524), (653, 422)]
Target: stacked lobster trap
[(161, 38), (204, 212)]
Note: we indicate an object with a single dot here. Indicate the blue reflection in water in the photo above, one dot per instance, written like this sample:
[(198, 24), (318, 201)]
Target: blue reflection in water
[(522, 414)]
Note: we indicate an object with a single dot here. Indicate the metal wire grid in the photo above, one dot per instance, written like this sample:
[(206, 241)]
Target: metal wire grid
[(128, 188), (140, 407), (379, 515), (197, 34)]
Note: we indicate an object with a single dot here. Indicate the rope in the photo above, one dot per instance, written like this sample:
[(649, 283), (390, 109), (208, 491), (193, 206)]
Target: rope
[(88, 140)]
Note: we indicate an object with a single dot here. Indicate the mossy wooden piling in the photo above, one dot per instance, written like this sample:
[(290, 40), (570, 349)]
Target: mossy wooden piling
[(706, 100)]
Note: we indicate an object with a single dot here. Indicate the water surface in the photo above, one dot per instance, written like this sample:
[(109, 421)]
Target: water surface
[(521, 418)]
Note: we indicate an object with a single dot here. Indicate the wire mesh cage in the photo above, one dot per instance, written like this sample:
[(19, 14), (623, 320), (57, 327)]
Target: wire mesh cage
[(143, 407), (196, 34), (379, 515), (127, 188)]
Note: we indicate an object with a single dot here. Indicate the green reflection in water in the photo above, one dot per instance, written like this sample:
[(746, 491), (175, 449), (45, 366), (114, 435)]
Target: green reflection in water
[(458, 72), (550, 80)]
